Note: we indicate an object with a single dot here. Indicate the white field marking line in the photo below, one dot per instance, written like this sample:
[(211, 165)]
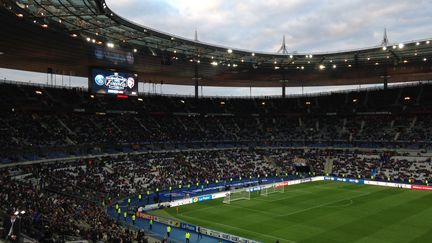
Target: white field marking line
[(240, 229), (322, 205)]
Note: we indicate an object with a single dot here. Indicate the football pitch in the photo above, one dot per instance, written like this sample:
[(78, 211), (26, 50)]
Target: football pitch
[(319, 212)]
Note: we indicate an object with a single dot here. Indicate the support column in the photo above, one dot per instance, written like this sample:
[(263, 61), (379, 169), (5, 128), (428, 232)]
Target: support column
[(196, 78), (385, 82), (284, 81), (283, 90)]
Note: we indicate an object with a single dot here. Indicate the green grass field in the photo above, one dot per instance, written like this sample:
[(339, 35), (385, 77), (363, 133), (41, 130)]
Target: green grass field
[(319, 212)]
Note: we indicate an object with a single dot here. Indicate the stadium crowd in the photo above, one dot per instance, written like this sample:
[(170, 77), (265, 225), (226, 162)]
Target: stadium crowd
[(64, 122), (161, 142), (67, 199)]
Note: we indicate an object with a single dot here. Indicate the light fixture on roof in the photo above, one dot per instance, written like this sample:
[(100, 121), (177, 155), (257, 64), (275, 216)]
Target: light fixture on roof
[(291, 56), (230, 51), (222, 102), (407, 98), (368, 58), (417, 43), (214, 63), (92, 96), (135, 50), (88, 39), (307, 103), (175, 51), (276, 67), (34, 21), (302, 67), (331, 61), (93, 40), (38, 92), (253, 54), (415, 54), (405, 61), (349, 65), (242, 60), (44, 26), (182, 101), (321, 67), (354, 100), (334, 66), (74, 35), (394, 46), (20, 15), (424, 59), (275, 62), (401, 45), (140, 99), (384, 48), (377, 63), (172, 38), (428, 42), (110, 45), (346, 60), (198, 61), (263, 103)]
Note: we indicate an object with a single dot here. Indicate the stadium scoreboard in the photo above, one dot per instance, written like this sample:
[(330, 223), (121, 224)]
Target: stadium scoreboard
[(113, 82)]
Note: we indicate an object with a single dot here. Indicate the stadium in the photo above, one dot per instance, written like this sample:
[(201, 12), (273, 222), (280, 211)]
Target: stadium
[(118, 160)]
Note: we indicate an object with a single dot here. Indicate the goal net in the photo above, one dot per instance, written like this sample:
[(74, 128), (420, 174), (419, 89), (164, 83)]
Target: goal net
[(273, 189), (238, 194)]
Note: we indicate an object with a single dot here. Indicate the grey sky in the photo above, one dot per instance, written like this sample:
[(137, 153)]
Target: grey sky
[(309, 25)]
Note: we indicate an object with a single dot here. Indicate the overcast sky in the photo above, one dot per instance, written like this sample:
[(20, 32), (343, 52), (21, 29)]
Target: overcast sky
[(309, 25), (258, 25)]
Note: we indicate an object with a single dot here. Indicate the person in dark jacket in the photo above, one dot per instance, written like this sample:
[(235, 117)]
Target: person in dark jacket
[(11, 227)]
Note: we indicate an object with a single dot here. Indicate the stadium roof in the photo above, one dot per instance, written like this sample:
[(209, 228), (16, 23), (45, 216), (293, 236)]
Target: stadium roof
[(69, 36)]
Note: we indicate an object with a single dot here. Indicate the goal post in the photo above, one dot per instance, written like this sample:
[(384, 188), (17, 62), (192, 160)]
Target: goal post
[(235, 195), (272, 189)]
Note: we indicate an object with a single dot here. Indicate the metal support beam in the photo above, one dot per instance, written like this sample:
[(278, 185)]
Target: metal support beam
[(196, 78), (283, 90), (284, 81)]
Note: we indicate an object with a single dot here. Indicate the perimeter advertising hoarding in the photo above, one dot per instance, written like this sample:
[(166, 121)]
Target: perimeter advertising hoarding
[(113, 82)]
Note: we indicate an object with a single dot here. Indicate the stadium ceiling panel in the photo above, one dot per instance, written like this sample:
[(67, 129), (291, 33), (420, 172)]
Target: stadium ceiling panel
[(73, 35)]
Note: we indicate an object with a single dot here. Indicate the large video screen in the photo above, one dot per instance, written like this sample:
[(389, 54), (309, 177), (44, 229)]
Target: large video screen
[(104, 81)]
